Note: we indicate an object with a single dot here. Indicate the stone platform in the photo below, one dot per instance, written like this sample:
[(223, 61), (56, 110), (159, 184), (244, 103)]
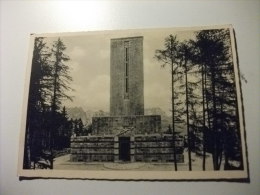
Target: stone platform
[(139, 124), (126, 148)]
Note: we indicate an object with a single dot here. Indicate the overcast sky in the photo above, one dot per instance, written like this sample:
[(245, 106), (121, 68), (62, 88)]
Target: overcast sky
[(90, 67)]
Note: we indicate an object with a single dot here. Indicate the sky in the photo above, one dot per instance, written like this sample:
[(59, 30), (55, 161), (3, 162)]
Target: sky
[(90, 67)]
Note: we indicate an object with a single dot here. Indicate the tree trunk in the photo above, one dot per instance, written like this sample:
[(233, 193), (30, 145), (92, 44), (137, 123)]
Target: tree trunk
[(238, 131), (173, 111), (54, 108), (215, 146), (187, 115), (27, 149), (204, 126), (173, 122)]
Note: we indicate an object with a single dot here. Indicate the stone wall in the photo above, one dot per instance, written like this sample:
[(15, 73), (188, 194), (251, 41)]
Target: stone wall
[(143, 148), (144, 124), (92, 148), (157, 148)]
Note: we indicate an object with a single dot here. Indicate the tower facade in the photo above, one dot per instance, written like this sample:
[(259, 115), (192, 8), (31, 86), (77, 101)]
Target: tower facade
[(126, 77)]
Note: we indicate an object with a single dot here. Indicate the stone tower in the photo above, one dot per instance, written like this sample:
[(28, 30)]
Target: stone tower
[(128, 134), (126, 77)]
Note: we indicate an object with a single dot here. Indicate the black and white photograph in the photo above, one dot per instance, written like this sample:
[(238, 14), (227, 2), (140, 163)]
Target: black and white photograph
[(143, 104)]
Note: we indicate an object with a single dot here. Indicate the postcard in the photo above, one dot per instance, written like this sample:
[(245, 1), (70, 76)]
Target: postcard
[(140, 104)]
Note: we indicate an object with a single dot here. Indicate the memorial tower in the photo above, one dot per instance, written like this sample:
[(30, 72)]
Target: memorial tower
[(126, 77), (127, 134)]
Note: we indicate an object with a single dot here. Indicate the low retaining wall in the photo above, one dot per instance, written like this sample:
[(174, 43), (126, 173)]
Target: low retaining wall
[(92, 148), (142, 148), (157, 149)]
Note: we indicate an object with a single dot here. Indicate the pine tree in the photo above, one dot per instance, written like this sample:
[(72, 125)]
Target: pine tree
[(37, 102), (215, 58), (60, 86), (168, 56), (184, 56)]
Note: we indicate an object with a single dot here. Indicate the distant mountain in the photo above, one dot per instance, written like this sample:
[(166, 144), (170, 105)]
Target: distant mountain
[(154, 111), (86, 116), (77, 113), (100, 113), (166, 120)]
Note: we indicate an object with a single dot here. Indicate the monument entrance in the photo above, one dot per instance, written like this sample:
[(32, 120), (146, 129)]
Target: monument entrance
[(124, 148)]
